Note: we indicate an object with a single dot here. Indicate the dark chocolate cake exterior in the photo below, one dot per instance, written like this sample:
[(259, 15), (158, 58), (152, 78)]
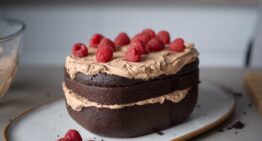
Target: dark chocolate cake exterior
[(120, 98)]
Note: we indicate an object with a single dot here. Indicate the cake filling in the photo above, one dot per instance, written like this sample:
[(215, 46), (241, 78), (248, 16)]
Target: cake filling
[(153, 65), (77, 103)]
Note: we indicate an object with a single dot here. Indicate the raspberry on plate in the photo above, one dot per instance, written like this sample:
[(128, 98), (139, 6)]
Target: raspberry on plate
[(95, 40), (107, 42), (164, 36), (122, 39), (71, 135), (139, 46), (149, 31), (177, 45), (65, 139), (79, 50), (132, 55), (104, 53), (155, 45)]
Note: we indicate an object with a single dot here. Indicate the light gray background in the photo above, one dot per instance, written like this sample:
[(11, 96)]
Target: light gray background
[(220, 32)]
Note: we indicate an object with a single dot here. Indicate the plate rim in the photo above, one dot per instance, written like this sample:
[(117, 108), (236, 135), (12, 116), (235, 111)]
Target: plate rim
[(181, 138)]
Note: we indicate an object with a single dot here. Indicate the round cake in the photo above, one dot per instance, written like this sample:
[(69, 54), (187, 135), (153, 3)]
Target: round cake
[(131, 87)]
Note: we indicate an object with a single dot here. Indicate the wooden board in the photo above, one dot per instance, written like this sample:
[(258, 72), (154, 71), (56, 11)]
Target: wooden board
[(46, 122), (253, 81)]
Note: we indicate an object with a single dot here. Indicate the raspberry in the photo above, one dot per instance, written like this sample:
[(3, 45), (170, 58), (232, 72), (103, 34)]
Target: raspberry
[(142, 36), (72, 135), (150, 32), (177, 45), (95, 40), (164, 36), (107, 42), (155, 45), (104, 53), (65, 139), (132, 55), (139, 46), (122, 39), (79, 50)]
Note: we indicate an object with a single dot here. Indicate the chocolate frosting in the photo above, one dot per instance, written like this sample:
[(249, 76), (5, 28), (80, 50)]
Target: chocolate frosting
[(152, 65)]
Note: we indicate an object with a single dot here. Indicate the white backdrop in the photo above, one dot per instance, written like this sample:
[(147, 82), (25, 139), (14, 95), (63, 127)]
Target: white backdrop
[(221, 33)]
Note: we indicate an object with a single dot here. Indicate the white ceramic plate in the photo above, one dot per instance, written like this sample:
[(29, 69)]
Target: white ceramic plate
[(49, 121)]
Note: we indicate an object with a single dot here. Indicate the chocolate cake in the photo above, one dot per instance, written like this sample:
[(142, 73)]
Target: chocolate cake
[(126, 95)]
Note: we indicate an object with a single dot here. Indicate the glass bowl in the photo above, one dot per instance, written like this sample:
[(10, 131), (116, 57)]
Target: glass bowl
[(11, 32)]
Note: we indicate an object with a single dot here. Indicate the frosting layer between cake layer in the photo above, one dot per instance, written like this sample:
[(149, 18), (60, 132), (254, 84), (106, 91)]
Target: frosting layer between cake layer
[(153, 64), (77, 102)]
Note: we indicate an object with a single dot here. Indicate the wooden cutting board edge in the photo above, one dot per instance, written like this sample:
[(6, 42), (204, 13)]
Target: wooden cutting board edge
[(248, 80)]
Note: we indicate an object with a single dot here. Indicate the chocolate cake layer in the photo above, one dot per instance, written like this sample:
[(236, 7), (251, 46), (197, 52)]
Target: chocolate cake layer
[(135, 120), (108, 80), (134, 93)]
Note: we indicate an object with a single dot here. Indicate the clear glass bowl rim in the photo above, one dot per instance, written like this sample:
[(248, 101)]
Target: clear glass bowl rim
[(15, 34)]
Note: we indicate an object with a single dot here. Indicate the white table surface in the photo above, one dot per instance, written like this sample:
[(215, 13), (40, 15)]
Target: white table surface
[(38, 84)]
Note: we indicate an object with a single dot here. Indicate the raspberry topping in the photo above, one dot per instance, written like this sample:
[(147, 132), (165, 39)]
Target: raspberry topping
[(132, 55), (177, 45), (150, 32), (139, 46), (164, 36), (142, 36), (104, 53), (122, 39), (95, 40), (155, 45), (73, 135), (107, 42), (79, 50)]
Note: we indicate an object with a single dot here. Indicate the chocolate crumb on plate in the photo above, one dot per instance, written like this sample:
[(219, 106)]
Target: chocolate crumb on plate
[(249, 105), (198, 106), (229, 128), (236, 132), (160, 133), (238, 94), (220, 130), (238, 125)]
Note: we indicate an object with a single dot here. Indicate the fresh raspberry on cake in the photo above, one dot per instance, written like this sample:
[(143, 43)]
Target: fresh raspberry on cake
[(107, 42), (139, 46), (132, 55), (155, 45), (79, 50), (149, 32), (122, 39), (104, 53), (95, 40), (177, 45), (164, 36), (142, 36), (73, 135)]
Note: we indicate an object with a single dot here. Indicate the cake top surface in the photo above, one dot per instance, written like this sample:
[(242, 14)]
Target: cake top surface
[(130, 64)]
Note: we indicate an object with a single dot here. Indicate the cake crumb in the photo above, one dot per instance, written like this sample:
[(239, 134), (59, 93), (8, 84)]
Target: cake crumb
[(198, 106), (220, 130), (249, 105), (229, 128), (238, 125), (238, 94), (160, 133)]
